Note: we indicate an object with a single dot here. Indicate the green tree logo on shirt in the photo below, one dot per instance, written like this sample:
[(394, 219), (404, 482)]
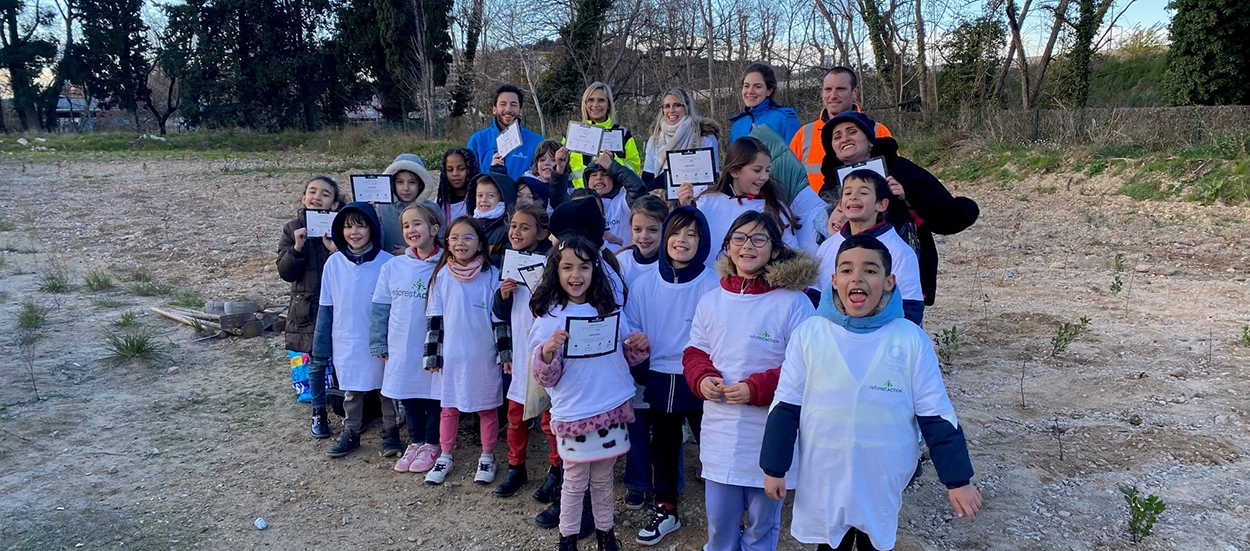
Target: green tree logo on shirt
[(887, 387), (766, 338)]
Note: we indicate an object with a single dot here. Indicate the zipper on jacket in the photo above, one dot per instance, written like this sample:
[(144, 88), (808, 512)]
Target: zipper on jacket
[(743, 291)]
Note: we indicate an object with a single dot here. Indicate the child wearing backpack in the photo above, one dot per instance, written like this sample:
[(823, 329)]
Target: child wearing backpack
[(857, 385)]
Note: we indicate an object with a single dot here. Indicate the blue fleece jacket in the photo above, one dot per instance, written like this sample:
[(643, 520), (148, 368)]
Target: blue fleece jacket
[(482, 144), (784, 120)]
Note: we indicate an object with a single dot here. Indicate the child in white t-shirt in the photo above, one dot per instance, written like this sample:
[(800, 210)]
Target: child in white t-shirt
[(857, 385), (737, 342)]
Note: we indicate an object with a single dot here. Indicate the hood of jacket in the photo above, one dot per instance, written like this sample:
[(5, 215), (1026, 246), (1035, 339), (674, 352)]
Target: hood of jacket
[(505, 183), (699, 262), (413, 164), (375, 233), (889, 309), (796, 273)]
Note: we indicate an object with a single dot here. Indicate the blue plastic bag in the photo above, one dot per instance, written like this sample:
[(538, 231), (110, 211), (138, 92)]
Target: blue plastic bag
[(300, 362)]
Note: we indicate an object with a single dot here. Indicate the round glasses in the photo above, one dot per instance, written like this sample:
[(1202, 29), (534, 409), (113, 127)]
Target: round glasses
[(757, 239)]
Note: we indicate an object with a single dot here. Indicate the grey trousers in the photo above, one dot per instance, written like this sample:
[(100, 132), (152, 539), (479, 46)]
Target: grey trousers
[(354, 409)]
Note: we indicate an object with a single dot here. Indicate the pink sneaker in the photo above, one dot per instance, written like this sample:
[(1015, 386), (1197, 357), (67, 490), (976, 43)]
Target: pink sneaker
[(424, 459), (405, 463)]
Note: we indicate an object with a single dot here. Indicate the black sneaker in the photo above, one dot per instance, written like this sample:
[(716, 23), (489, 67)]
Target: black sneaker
[(392, 446), (550, 517), (549, 492), (347, 443), (320, 424), (635, 499), (568, 543), (607, 540), (512, 482), (663, 523)]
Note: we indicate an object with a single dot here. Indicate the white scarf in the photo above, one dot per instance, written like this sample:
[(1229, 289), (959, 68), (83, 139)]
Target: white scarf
[(673, 137), (491, 214)]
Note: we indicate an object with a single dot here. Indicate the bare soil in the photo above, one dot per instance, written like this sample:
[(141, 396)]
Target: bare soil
[(186, 451)]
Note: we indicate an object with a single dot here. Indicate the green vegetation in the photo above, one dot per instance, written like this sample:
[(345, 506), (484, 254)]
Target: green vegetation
[(7, 225), (947, 344), (1067, 333), (150, 289), (128, 320), (55, 280), (1142, 512), (32, 315), (132, 345), (98, 280), (187, 297)]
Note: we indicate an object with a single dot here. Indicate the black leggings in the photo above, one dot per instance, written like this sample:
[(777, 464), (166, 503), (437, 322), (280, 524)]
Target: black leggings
[(854, 539), (666, 446), (423, 416)]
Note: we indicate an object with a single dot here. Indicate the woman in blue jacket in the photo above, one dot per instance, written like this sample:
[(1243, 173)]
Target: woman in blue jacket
[(758, 84)]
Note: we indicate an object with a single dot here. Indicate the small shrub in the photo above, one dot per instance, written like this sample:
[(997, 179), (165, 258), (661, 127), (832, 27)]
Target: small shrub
[(1245, 335), (1046, 190), (1117, 284), (32, 315), (189, 298), (1142, 512), (128, 320), (140, 275), (98, 280), (1096, 167), (1067, 333), (132, 345), (947, 344), (7, 225), (55, 280)]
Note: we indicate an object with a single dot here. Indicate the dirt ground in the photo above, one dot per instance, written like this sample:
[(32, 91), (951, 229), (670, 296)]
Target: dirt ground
[(188, 451)]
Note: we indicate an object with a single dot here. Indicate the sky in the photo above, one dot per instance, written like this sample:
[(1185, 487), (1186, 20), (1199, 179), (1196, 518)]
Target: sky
[(1147, 13)]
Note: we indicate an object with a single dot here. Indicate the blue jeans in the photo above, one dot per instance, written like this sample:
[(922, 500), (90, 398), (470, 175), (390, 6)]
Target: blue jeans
[(317, 384), (725, 504)]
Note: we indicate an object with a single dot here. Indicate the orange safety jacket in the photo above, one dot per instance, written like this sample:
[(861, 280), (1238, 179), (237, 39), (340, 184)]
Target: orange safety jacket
[(807, 147)]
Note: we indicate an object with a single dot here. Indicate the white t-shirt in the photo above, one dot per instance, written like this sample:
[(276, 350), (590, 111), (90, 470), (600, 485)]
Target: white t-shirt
[(663, 312), (589, 386), (616, 216), (472, 379), (454, 211), (404, 283), (903, 263), (348, 287), (858, 438), (522, 320), (744, 335), (631, 269), (721, 210)]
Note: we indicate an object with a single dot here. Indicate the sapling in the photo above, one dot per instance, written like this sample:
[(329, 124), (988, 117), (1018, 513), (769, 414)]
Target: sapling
[(1117, 284), (1142, 512), (1067, 333), (947, 344), (1245, 335), (26, 341), (1022, 404), (1058, 431)]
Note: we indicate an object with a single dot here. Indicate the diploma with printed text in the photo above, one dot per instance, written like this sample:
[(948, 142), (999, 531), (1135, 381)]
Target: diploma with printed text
[(318, 222), (513, 261), (590, 337), (690, 165), (584, 138), (372, 188), (875, 164), (613, 140), (508, 140)]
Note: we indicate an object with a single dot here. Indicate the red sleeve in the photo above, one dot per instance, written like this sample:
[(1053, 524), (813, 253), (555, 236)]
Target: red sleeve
[(696, 366), (763, 386)]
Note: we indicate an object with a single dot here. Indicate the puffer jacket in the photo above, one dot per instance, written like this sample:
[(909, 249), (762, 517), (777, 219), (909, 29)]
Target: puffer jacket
[(303, 270)]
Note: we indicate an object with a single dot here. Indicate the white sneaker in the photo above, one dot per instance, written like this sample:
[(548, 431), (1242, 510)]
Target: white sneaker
[(439, 473), (485, 470), (663, 523)]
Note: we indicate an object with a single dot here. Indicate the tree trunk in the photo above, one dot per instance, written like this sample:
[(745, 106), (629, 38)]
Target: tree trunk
[(1014, 22), (876, 36), (1061, 12), (926, 102)]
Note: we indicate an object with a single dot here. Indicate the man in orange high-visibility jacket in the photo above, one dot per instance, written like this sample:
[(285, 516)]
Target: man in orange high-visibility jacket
[(838, 92)]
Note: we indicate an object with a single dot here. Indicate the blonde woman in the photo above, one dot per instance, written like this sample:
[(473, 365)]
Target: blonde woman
[(678, 126), (598, 108)]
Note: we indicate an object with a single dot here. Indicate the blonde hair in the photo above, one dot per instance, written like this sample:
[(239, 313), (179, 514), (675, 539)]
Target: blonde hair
[(657, 128), (607, 90)]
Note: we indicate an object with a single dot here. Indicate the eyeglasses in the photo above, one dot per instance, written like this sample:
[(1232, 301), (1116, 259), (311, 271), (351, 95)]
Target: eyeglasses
[(757, 239), (461, 239)]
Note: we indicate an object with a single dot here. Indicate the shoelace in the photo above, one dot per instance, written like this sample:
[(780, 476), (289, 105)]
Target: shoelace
[(483, 466), (438, 467)]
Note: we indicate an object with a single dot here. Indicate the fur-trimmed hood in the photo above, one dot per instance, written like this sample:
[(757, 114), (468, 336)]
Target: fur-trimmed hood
[(796, 273)]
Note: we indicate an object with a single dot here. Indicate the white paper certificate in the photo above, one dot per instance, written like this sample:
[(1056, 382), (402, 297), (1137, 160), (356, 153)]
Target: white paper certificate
[(373, 188), (690, 165), (531, 276), (509, 139), (318, 222), (875, 164), (584, 138), (591, 336), (614, 141), (513, 261)]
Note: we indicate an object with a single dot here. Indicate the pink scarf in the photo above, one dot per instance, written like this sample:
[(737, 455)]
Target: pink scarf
[(464, 273)]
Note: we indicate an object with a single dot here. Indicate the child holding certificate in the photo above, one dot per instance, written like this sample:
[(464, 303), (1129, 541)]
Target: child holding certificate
[(744, 185), (466, 344), (661, 305), (590, 395), (300, 260), (527, 231), (617, 187)]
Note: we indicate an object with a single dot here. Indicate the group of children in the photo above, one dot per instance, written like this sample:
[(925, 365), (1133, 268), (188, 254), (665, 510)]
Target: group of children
[(732, 323)]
